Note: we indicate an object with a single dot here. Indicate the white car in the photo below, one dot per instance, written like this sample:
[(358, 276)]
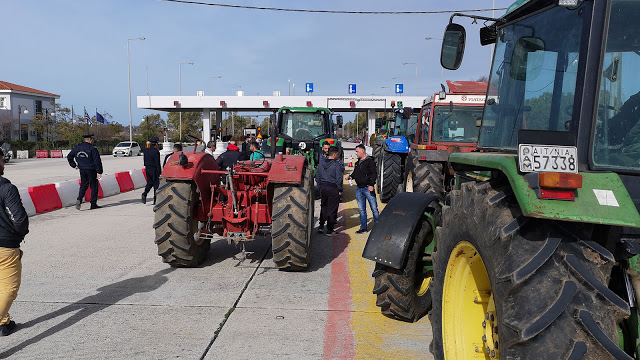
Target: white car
[(126, 148)]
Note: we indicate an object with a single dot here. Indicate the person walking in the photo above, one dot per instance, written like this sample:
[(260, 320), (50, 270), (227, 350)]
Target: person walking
[(14, 225), (329, 177), (152, 169), (177, 147), (364, 173), (86, 158)]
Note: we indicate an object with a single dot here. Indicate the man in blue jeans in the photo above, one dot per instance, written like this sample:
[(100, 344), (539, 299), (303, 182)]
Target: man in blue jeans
[(364, 173)]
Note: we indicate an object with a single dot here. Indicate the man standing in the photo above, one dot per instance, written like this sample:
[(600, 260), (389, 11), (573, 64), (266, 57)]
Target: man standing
[(329, 177), (364, 173), (229, 157), (152, 169), (86, 158), (14, 225), (324, 153), (211, 147)]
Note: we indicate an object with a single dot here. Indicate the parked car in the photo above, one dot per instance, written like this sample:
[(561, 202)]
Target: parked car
[(126, 148)]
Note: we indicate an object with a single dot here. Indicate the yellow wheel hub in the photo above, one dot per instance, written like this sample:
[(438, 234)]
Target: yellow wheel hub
[(424, 286), (469, 319)]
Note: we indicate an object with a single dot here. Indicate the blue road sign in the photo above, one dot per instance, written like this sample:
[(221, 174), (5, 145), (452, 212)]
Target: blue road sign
[(399, 88), (309, 87), (352, 88)]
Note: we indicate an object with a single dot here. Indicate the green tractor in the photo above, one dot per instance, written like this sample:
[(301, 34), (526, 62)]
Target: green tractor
[(540, 260), (303, 130)]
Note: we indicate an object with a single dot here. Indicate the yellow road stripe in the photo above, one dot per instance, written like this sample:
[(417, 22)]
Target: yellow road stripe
[(376, 336)]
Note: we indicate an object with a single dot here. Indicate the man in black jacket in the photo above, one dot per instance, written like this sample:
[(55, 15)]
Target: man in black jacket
[(329, 178), (364, 173), (152, 169), (86, 158), (14, 225)]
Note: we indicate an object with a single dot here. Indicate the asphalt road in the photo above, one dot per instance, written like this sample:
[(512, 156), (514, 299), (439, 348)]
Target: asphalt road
[(93, 287)]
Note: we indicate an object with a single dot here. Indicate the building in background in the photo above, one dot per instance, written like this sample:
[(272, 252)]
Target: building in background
[(14, 100)]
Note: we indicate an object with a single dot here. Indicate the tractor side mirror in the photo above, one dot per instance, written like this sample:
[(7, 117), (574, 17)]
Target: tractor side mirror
[(339, 121), (520, 57), (453, 46)]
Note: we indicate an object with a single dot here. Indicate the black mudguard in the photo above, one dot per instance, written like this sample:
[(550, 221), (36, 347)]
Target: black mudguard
[(390, 238)]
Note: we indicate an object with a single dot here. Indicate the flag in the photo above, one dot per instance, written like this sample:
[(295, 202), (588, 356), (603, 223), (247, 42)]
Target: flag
[(86, 116), (101, 119)]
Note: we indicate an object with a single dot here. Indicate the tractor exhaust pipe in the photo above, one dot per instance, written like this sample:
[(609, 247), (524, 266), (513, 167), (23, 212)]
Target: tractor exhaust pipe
[(273, 135)]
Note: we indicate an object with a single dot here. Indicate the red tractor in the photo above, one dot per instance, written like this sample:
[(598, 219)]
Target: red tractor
[(199, 202)]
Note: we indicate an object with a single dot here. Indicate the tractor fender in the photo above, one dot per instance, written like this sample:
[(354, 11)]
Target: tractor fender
[(287, 169), (390, 238), (397, 144), (192, 172)]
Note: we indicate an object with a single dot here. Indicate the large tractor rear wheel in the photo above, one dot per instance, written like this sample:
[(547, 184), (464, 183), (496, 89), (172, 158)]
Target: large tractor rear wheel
[(511, 287), (403, 294), (292, 223), (176, 224), (423, 177), (390, 175)]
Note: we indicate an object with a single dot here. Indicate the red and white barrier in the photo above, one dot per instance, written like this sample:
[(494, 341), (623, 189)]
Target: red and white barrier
[(44, 198)]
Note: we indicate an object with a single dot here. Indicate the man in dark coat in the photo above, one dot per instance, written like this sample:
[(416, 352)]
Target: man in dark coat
[(364, 173), (86, 158), (329, 178), (229, 157), (14, 225), (152, 169)]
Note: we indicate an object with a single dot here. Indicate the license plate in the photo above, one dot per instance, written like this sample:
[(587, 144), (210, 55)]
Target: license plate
[(547, 158)]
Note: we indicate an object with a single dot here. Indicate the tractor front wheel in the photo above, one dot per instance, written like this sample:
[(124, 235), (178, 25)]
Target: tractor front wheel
[(423, 177), (511, 287), (292, 223), (176, 224), (390, 175), (403, 294)]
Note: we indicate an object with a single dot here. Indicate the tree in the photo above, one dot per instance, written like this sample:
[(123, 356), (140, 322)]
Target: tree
[(191, 124), (153, 125), (483, 78), (234, 125)]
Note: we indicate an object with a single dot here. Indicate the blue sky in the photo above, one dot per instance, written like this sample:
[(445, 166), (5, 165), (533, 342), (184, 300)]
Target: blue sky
[(78, 49)]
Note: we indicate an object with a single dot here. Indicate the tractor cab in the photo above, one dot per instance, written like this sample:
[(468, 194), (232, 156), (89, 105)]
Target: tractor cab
[(302, 131)]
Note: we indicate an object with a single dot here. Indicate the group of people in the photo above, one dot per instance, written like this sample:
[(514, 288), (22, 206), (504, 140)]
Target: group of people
[(329, 179)]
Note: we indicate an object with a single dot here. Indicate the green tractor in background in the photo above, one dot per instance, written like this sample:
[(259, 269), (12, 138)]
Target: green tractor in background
[(540, 259), (303, 130)]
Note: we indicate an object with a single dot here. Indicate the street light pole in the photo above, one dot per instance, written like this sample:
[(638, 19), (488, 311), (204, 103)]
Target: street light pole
[(129, 75), (441, 68), (410, 63), (180, 90)]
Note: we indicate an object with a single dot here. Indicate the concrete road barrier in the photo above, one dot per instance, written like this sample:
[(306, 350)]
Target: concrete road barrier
[(139, 180), (45, 198), (26, 201), (68, 192), (125, 181), (109, 185), (22, 154)]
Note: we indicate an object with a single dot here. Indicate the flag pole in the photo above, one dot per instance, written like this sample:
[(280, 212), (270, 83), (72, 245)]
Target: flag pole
[(97, 126)]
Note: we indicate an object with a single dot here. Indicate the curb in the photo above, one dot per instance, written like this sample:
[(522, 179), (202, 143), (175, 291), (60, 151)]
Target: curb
[(49, 197)]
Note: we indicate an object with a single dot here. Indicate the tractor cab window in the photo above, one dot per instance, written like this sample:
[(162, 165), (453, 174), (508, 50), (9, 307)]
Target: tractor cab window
[(303, 125), (616, 142), (411, 127), (423, 128), (459, 125), (400, 128), (533, 76)]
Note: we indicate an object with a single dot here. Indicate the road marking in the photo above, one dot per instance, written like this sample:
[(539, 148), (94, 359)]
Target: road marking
[(338, 335)]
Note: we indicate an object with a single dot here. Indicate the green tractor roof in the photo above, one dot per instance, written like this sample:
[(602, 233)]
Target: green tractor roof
[(515, 5), (304, 109)]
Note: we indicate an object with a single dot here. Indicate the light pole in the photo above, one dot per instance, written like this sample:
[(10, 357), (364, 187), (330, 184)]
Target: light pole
[(294, 89), (180, 91), (48, 122), (214, 77), (20, 107), (129, 75), (410, 63), (441, 68), (233, 126), (289, 86)]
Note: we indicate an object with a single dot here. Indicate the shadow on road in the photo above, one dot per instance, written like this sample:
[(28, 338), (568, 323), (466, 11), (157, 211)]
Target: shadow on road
[(82, 309)]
